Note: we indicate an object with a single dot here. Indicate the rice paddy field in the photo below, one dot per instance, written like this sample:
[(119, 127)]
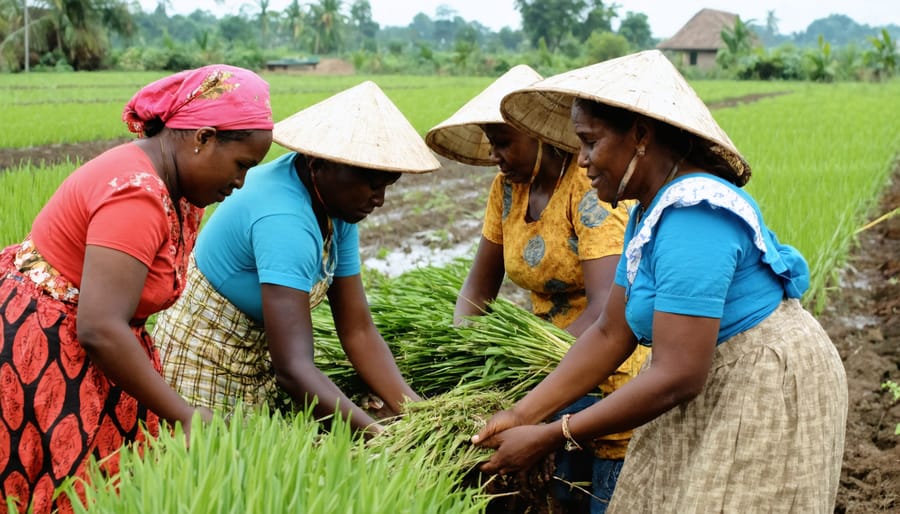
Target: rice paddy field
[(825, 173)]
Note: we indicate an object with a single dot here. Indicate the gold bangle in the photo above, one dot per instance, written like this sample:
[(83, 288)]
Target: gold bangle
[(571, 443)]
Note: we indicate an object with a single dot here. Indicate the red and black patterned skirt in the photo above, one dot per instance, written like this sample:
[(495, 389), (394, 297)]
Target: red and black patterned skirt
[(56, 407)]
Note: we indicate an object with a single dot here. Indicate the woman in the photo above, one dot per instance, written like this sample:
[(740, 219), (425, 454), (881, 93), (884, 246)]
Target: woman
[(743, 402), (80, 374), (273, 251), (546, 229)]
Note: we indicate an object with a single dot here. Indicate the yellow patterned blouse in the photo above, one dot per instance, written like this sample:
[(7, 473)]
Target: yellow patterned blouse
[(544, 257)]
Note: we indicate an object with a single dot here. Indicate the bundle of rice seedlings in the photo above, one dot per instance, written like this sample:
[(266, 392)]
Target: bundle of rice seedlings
[(517, 348), (440, 428), (263, 462), (506, 348), (442, 425)]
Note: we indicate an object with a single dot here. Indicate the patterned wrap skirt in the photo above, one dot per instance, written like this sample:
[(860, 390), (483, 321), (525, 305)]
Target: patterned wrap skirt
[(56, 408), (212, 353), (765, 435)]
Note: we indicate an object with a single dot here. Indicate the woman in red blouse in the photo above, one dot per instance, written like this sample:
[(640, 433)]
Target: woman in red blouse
[(79, 375)]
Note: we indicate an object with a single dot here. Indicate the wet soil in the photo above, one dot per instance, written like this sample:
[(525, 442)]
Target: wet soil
[(863, 320), (428, 215)]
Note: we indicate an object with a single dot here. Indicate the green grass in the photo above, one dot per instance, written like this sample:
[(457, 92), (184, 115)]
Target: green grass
[(71, 107), (23, 192), (268, 463), (820, 158)]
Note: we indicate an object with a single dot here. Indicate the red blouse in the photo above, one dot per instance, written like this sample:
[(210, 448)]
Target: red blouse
[(118, 201)]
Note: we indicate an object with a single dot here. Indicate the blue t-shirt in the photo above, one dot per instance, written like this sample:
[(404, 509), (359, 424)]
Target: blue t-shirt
[(702, 249), (266, 233)]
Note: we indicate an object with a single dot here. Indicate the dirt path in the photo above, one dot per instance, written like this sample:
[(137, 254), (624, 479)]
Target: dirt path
[(430, 216), (863, 320)]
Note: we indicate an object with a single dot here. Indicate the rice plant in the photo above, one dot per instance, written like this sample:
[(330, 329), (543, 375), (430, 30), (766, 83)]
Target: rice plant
[(263, 462), (507, 349), (23, 192), (76, 107), (820, 158)]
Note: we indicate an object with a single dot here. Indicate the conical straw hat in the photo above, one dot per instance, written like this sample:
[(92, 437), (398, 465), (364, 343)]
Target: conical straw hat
[(460, 137), (361, 127), (644, 82)]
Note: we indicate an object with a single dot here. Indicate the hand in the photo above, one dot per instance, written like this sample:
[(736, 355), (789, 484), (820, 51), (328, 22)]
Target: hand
[(520, 448), (377, 408), (463, 321), (499, 422), (205, 415), (372, 431)]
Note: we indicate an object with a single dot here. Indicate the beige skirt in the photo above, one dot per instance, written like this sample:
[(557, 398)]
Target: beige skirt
[(211, 353), (765, 435)]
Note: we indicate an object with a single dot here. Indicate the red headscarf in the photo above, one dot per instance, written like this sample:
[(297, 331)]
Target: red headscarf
[(218, 95)]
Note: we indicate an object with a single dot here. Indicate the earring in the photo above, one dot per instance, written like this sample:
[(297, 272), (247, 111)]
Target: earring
[(632, 164), (196, 150)]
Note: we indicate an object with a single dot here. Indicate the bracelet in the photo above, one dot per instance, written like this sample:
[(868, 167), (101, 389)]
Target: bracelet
[(571, 443)]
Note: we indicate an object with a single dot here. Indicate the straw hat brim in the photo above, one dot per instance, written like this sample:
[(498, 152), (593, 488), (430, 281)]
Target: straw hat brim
[(645, 83), (460, 136), (360, 127)]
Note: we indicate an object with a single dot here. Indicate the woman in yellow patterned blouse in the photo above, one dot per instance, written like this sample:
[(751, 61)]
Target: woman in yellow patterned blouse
[(546, 229)]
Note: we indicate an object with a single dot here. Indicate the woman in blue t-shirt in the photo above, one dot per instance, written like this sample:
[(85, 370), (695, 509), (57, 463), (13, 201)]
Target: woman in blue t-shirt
[(277, 248), (742, 405)]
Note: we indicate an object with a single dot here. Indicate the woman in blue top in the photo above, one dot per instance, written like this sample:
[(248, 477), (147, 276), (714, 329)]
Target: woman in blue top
[(742, 404), (272, 253)]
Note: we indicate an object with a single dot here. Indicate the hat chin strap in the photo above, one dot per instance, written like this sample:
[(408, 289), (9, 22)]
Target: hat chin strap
[(537, 162), (629, 171), (312, 179)]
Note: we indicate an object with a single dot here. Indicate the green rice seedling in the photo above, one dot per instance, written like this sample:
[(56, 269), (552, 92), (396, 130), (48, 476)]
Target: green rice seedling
[(262, 462), (508, 348), (42, 109), (431, 101), (443, 425), (507, 345), (894, 390), (65, 81), (519, 348), (76, 107), (820, 157), (63, 123), (23, 192)]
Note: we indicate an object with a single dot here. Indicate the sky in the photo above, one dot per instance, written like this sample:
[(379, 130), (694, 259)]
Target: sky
[(665, 16)]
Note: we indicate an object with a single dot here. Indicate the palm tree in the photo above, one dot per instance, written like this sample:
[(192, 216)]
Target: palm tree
[(771, 23), (264, 22), (738, 43), (883, 56), (823, 66), (295, 19), (77, 30), (327, 21), (12, 30)]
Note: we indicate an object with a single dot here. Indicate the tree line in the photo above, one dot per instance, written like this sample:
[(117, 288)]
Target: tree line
[(555, 35), (871, 55)]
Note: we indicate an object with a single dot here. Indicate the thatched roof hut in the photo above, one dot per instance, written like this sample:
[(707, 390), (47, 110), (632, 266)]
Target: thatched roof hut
[(698, 41)]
